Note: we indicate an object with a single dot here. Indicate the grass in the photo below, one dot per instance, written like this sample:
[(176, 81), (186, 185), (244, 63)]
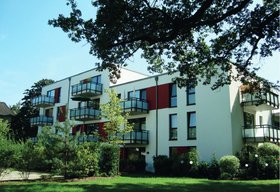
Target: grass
[(143, 184)]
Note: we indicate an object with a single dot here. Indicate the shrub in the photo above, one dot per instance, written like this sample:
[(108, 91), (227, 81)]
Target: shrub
[(162, 165), (269, 149), (214, 169), (229, 166), (109, 159), (248, 157), (133, 166), (268, 161), (202, 171)]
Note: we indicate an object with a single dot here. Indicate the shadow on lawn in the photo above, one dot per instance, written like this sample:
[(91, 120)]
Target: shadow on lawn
[(203, 186)]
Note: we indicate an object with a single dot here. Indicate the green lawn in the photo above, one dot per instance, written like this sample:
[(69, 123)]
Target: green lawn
[(141, 184)]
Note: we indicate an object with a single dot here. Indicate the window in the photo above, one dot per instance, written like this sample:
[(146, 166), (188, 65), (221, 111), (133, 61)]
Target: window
[(260, 120), (173, 124), (94, 104), (92, 129), (50, 93), (49, 112), (55, 93), (96, 79), (175, 152), (61, 113), (119, 95), (190, 96), (249, 120), (191, 125), (173, 95), (138, 94), (138, 124)]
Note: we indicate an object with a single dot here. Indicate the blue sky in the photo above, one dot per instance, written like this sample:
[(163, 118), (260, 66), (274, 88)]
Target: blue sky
[(31, 50)]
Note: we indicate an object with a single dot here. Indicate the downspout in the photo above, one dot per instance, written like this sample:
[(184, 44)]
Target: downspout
[(68, 99), (156, 79)]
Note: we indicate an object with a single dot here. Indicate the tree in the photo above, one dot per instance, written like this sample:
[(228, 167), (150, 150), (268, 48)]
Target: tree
[(21, 123), (117, 123), (200, 39)]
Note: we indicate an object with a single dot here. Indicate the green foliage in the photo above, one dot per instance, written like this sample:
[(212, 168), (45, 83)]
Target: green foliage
[(229, 166), (27, 158), (214, 168), (133, 165), (269, 149), (193, 37), (162, 165), (268, 161), (21, 122), (7, 147), (109, 159), (117, 120)]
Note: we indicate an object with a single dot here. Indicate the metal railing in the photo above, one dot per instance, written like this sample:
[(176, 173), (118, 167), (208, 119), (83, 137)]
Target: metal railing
[(41, 120), (259, 98), (135, 105), (261, 133), (87, 88), (43, 100), (135, 137), (84, 113)]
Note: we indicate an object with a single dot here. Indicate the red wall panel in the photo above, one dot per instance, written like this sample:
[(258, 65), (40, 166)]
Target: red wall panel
[(151, 97), (163, 96)]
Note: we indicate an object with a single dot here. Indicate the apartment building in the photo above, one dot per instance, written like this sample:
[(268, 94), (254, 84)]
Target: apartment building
[(168, 120)]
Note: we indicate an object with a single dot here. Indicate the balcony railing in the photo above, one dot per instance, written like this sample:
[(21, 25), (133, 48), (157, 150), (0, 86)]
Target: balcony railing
[(87, 138), (43, 101), (262, 133), (135, 137), (135, 106), (84, 114), (259, 98), (41, 121), (84, 91)]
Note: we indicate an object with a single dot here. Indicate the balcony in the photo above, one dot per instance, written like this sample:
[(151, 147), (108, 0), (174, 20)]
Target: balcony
[(135, 137), (43, 101), (262, 133), (135, 106), (87, 138), (84, 91), (267, 100), (84, 114), (41, 121)]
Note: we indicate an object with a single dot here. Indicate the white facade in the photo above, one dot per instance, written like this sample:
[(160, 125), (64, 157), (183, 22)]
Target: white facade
[(214, 124)]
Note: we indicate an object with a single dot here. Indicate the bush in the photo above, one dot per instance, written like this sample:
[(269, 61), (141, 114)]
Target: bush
[(202, 171), (214, 169), (268, 161), (109, 159), (229, 166), (133, 166), (162, 165), (269, 149), (248, 157)]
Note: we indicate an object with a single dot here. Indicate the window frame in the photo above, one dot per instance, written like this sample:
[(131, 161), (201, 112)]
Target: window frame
[(171, 128), (190, 92), (190, 127), (173, 95)]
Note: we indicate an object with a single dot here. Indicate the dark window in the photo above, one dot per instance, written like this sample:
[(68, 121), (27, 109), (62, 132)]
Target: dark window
[(138, 94), (50, 93), (190, 96), (249, 120), (49, 112), (119, 96), (173, 95), (94, 104), (96, 79), (175, 152), (92, 129), (173, 124), (61, 113), (138, 124), (191, 125)]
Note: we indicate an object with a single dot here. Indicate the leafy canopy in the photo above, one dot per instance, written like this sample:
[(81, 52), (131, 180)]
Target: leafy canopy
[(200, 39)]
